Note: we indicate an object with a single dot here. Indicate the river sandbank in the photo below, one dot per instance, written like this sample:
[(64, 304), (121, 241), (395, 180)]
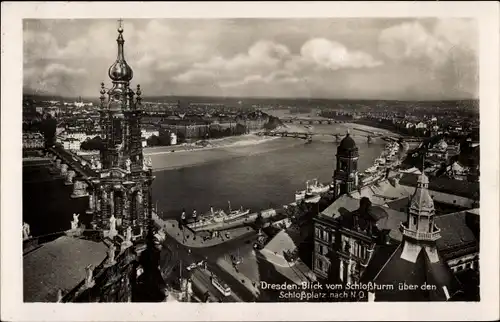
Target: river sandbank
[(163, 158)]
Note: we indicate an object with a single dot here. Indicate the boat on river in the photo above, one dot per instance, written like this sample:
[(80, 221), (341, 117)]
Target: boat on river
[(218, 216)]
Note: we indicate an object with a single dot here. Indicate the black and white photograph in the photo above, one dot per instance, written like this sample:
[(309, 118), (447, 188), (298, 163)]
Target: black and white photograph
[(178, 159)]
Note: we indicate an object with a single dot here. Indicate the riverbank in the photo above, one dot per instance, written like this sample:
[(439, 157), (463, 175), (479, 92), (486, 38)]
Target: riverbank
[(170, 158), (206, 151)]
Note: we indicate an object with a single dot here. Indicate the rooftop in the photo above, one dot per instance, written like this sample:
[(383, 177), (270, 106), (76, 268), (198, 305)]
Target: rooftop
[(460, 188), (454, 230), (59, 264), (423, 271)]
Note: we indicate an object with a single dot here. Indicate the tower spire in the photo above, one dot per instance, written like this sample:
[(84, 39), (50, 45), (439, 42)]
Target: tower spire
[(120, 71)]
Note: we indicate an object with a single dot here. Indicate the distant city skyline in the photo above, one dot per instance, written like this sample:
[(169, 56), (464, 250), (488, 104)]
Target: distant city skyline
[(337, 58)]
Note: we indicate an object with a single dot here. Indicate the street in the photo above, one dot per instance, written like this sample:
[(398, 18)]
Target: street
[(210, 254)]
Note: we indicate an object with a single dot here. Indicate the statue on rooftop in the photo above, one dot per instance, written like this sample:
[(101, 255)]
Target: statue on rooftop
[(112, 224), (127, 164), (89, 278), (74, 223), (111, 255), (139, 197), (26, 231), (128, 236)]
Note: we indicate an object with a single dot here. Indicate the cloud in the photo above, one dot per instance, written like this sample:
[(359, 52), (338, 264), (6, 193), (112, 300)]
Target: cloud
[(268, 62), (448, 51), (283, 57), (411, 40), (333, 55), (53, 77)]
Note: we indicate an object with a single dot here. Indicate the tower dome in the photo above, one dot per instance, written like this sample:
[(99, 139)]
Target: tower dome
[(120, 71), (347, 144)]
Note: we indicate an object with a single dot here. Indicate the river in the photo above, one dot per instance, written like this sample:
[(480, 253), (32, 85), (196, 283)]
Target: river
[(256, 177)]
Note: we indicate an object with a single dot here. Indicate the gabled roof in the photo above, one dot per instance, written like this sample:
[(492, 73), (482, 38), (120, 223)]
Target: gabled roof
[(397, 271)]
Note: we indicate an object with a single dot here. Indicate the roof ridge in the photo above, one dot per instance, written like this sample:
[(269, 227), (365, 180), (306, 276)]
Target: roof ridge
[(388, 260)]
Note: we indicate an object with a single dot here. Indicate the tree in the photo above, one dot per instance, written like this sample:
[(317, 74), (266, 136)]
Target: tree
[(48, 128), (153, 140), (259, 221), (92, 144)]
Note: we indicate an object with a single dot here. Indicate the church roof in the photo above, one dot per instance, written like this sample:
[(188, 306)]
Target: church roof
[(397, 271), (59, 264)]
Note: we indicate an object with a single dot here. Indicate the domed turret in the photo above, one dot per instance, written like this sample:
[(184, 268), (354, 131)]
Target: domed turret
[(347, 143), (347, 146), (120, 71)]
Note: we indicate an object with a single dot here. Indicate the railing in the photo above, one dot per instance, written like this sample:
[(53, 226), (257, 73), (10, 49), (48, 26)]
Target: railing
[(435, 235)]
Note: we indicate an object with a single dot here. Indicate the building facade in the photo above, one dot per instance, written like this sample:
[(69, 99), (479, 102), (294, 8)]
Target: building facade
[(33, 141)]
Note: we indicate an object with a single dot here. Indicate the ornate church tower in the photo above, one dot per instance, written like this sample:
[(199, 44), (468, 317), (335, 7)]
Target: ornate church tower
[(345, 176), (120, 197), (419, 231)]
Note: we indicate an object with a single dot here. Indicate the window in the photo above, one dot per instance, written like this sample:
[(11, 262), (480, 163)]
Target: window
[(326, 236), (355, 249), (319, 264), (318, 232)]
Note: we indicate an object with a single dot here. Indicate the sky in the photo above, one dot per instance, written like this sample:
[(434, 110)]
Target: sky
[(353, 58)]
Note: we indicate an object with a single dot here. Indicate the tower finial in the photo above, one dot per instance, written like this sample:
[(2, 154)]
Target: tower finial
[(120, 25), (120, 71)]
